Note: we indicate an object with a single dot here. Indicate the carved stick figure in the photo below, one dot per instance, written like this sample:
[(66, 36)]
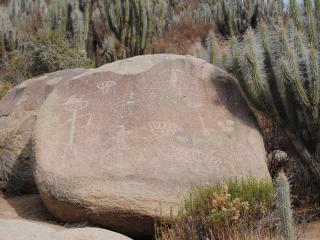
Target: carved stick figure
[(73, 105)]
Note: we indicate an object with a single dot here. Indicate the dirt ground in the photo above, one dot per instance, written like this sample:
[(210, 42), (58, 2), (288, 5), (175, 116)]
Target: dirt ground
[(30, 207)]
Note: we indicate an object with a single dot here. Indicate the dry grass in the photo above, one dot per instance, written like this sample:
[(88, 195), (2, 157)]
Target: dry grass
[(180, 37), (41, 53), (4, 88), (233, 210)]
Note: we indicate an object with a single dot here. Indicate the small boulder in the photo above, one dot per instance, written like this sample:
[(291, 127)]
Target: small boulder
[(89, 233), (18, 114), (18, 229)]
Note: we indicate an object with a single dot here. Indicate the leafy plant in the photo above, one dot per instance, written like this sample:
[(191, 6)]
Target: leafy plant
[(228, 210)]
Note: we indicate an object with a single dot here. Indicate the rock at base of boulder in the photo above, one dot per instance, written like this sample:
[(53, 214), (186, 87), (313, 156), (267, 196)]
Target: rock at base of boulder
[(91, 234), (16, 229), (18, 114)]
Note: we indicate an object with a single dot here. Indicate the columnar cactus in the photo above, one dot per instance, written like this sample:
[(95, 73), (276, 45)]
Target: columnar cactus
[(278, 71), (132, 23), (284, 205), (235, 16), (2, 45)]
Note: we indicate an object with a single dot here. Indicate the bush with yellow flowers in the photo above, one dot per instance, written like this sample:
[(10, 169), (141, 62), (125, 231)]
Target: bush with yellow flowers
[(235, 209)]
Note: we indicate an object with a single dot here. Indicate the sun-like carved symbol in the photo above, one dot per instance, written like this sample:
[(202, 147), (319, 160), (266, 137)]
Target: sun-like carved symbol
[(162, 128)]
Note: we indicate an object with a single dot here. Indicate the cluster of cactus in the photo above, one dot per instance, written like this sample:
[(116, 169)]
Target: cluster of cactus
[(133, 22), (8, 37), (277, 67), (29, 16), (232, 16), (201, 14), (284, 206), (236, 16)]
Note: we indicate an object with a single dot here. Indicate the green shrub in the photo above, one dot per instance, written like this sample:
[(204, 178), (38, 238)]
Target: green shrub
[(4, 88), (228, 210), (41, 54)]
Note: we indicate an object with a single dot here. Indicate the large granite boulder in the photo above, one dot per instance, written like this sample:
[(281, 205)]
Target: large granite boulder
[(17, 229), (18, 114), (120, 145)]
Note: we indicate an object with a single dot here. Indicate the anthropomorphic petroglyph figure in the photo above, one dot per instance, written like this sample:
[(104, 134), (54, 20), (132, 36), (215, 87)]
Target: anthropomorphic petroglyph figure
[(74, 105)]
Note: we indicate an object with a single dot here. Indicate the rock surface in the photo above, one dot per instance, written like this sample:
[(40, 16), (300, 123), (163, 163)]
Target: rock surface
[(16, 229), (27, 207), (89, 233), (120, 145), (18, 114)]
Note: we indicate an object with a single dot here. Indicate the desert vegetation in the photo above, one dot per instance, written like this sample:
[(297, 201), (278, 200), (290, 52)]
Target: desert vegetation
[(235, 209), (270, 47)]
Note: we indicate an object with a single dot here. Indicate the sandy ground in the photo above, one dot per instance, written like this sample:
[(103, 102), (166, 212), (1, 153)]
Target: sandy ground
[(311, 231), (30, 207)]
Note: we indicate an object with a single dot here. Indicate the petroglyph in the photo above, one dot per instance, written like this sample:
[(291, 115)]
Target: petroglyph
[(161, 129), (203, 125), (105, 86), (226, 126), (73, 105), (178, 82), (123, 109), (211, 157)]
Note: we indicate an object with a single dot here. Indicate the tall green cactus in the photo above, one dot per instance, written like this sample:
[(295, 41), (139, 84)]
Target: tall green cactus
[(235, 16), (2, 46), (284, 205), (132, 23), (278, 71)]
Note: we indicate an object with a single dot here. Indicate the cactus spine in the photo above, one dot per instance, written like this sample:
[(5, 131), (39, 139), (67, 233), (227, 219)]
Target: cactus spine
[(284, 205)]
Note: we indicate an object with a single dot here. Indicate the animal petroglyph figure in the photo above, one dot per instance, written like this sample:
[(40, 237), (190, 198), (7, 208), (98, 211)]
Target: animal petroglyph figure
[(73, 105), (123, 108), (105, 86)]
